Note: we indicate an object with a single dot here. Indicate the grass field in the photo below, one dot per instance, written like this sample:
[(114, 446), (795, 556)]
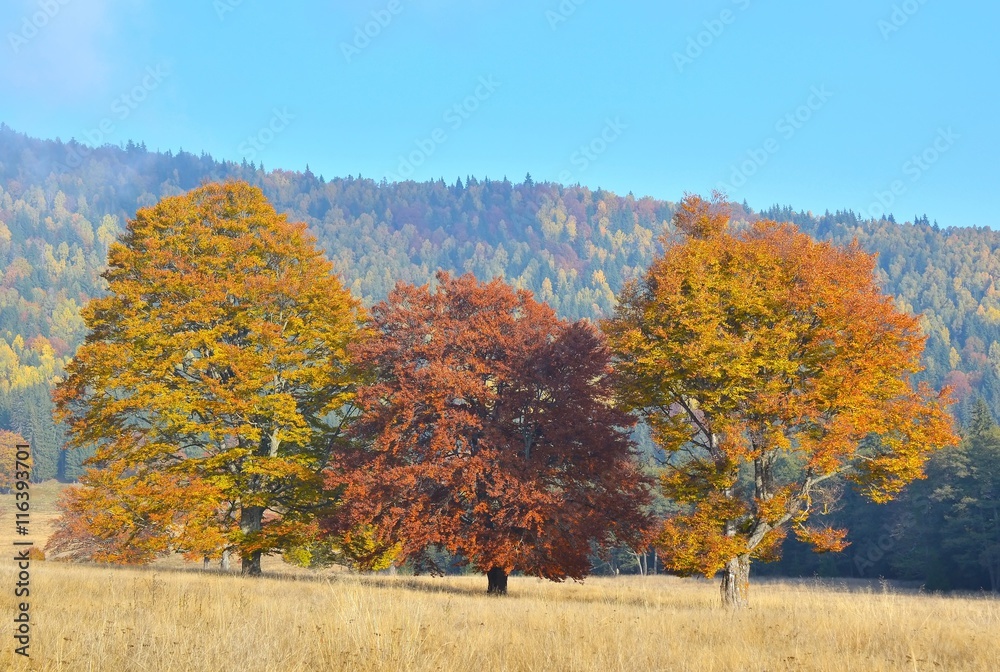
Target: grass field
[(169, 618)]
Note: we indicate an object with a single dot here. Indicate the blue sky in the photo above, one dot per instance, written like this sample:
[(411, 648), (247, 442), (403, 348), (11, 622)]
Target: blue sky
[(863, 104)]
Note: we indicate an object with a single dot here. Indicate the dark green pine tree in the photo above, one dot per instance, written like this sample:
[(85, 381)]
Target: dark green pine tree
[(972, 527)]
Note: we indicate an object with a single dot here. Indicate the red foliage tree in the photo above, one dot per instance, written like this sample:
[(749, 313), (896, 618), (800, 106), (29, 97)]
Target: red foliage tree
[(488, 430)]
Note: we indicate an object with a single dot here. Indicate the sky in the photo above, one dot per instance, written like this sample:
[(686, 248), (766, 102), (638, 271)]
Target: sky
[(873, 105)]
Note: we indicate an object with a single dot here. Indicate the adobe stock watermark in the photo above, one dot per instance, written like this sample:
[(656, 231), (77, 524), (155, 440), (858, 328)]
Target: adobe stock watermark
[(703, 40), (914, 168), (364, 34), (786, 128), (585, 155), (265, 135), (223, 7), (32, 24), (454, 118), (562, 13), (865, 557), (900, 16), (23, 548), (121, 109)]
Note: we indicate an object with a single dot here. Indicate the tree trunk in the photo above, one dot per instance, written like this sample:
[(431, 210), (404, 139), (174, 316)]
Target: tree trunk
[(497, 581), (638, 561), (224, 562), (736, 583), (251, 564), (251, 521)]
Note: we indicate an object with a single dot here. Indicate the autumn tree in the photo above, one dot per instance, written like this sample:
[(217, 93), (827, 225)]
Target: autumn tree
[(488, 431), (214, 378), (770, 368)]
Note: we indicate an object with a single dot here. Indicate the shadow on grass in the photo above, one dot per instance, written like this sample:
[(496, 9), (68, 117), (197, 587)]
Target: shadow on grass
[(425, 585), (657, 595), (416, 584)]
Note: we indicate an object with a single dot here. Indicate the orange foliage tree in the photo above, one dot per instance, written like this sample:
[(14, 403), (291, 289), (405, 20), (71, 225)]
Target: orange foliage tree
[(212, 384), (489, 431), (769, 367)]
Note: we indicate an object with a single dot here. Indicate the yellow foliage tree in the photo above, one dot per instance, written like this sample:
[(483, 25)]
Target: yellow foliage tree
[(216, 361)]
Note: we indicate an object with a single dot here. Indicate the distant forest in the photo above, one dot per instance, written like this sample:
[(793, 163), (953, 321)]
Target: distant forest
[(62, 205)]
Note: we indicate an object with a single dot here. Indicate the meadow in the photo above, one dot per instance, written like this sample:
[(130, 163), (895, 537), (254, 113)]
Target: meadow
[(174, 617)]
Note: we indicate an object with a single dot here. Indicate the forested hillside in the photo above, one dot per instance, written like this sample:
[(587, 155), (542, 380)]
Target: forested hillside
[(62, 204)]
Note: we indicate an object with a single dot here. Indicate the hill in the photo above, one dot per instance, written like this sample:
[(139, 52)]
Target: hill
[(62, 204)]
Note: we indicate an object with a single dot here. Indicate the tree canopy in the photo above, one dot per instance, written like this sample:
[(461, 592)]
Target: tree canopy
[(767, 364), (488, 431), (215, 367)]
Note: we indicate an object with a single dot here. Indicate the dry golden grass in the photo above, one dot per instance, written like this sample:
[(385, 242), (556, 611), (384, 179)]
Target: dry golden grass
[(90, 618), (173, 619)]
